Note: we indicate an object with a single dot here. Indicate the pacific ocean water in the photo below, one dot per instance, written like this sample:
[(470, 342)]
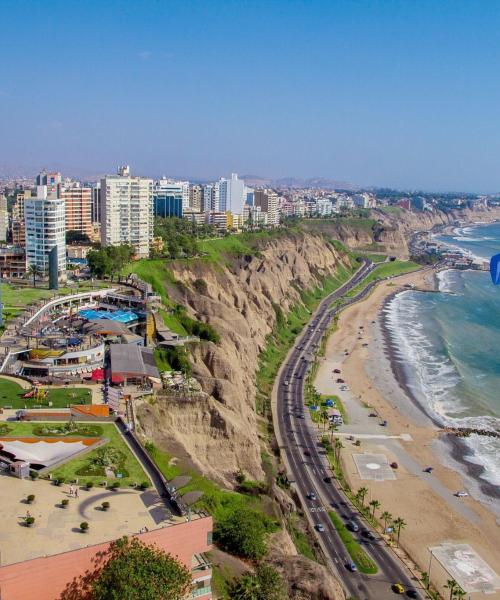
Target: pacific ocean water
[(449, 343)]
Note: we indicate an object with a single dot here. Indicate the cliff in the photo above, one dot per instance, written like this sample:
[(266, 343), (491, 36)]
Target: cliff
[(218, 432)]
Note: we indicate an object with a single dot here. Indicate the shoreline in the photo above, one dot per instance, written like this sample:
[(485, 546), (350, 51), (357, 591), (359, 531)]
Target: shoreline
[(458, 447), (412, 437)]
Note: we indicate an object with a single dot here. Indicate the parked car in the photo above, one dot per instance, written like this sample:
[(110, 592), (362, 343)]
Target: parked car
[(394, 465), (428, 469), (461, 494), (384, 423)]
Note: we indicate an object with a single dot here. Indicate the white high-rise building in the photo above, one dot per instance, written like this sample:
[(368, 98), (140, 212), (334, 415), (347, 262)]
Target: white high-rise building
[(233, 195), (45, 224), (127, 211), (4, 218), (211, 197)]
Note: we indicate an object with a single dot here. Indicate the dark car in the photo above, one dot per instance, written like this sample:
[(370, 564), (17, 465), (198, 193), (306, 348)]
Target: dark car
[(327, 479), (369, 535), (351, 567), (307, 453), (412, 594), (312, 496), (352, 525)]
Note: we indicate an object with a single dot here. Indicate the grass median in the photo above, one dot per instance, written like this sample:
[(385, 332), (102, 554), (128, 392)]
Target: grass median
[(359, 557)]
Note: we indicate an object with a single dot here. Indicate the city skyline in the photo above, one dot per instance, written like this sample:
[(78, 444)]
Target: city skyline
[(382, 94)]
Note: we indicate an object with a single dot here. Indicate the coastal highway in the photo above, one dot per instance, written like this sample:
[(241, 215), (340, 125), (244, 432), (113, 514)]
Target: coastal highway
[(308, 467)]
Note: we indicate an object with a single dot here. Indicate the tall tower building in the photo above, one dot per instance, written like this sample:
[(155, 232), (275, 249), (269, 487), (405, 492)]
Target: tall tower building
[(18, 227), (4, 218), (232, 195), (45, 224), (78, 208), (96, 203), (211, 197), (196, 197), (127, 211)]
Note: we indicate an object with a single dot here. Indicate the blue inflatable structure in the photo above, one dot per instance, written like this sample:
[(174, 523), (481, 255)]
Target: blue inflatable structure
[(495, 269)]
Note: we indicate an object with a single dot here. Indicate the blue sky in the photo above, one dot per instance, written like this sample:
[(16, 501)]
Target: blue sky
[(397, 93)]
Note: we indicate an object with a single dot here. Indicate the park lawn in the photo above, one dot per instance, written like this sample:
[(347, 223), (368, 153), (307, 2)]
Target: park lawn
[(135, 472), (69, 469), (359, 557), (383, 270), (10, 395)]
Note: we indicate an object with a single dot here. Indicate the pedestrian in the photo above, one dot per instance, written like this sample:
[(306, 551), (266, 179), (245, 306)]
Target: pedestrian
[(76, 492), (71, 490)]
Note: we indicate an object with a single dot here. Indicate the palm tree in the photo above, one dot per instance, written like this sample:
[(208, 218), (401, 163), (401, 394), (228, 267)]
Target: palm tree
[(386, 516), (374, 504), (425, 579), (399, 523), (324, 417), (338, 447), (361, 495), (459, 593), (451, 584), (34, 271)]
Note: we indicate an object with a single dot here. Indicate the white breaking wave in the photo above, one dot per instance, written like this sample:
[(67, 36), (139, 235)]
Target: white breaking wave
[(434, 378)]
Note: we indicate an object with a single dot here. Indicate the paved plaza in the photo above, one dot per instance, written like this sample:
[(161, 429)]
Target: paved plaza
[(373, 466), (56, 529), (464, 565)]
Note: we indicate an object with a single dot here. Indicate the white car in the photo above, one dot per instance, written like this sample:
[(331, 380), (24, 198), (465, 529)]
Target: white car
[(461, 494)]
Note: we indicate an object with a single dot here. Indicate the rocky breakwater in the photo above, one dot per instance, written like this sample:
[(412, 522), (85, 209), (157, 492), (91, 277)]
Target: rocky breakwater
[(219, 432)]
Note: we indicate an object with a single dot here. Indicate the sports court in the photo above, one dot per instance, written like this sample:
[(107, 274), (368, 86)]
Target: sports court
[(373, 467), (464, 565)]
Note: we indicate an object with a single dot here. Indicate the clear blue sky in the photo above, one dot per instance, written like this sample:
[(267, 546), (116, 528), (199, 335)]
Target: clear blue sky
[(403, 93)]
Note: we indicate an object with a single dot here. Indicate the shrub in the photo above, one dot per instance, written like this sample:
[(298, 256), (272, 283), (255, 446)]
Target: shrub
[(84, 526), (200, 286), (64, 502), (29, 521), (105, 505), (115, 485), (144, 485), (30, 499), (34, 474), (243, 533), (89, 485), (59, 481)]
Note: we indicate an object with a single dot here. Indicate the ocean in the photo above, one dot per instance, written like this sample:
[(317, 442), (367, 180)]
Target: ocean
[(448, 344)]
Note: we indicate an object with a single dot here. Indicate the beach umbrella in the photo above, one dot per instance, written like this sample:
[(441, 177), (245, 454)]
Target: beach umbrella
[(495, 269)]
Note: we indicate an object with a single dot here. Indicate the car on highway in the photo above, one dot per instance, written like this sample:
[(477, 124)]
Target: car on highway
[(312, 496), (286, 382), (412, 594), (461, 494), (351, 567), (352, 525), (307, 453), (397, 588), (369, 535), (319, 527), (327, 479)]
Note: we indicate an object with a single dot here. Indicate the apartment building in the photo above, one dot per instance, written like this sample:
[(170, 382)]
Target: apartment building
[(268, 202), (45, 225), (127, 211), (18, 229), (196, 197), (78, 202), (4, 218)]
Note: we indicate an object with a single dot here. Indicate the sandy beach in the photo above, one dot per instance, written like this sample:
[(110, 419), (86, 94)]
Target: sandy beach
[(425, 501)]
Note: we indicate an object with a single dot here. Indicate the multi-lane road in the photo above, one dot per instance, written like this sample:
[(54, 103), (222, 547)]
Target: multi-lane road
[(308, 469)]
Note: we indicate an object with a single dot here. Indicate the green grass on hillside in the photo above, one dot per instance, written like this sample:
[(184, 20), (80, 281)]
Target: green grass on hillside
[(11, 395), (218, 502), (173, 323), (386, 269), (286, 330), (396, 210), (364, 563), (154, 272)]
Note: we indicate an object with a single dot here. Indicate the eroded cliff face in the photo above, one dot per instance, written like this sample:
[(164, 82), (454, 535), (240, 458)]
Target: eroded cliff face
[(219, 432)]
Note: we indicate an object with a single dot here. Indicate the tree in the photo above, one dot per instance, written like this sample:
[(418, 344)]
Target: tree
[(387, 517), (265, 584), (451, 584), (110, 260), (34, 271), (243, 533), (374, 504), (338, 447), (362, 494), (76, 237), (133, 570), (459, 593), (324, 417), (399, 523)]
